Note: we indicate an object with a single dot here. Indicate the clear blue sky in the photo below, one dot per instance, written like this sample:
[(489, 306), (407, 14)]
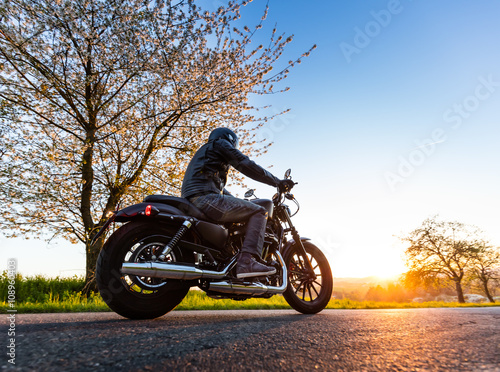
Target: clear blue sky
[(387, 79)]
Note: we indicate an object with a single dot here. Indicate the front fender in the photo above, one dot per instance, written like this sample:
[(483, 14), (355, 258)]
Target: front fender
[(291, 242)]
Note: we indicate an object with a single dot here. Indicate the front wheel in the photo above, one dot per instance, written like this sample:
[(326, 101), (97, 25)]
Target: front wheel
[(305, 294)]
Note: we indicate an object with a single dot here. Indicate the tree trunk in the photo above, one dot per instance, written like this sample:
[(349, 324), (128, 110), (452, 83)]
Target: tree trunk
[(92, 252), (487, 291), (460, 292)]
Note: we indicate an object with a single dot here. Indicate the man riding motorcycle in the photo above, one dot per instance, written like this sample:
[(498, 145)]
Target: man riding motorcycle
[(203, 185)]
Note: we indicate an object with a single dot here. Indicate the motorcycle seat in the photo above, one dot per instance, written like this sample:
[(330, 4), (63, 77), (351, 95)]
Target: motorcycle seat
[(189, 209), (180, 203)]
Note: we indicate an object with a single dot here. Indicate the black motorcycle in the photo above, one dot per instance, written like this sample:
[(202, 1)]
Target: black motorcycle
[(167, 246)]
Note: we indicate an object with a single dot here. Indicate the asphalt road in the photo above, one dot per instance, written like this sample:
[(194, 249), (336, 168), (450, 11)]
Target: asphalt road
[(278, 340)]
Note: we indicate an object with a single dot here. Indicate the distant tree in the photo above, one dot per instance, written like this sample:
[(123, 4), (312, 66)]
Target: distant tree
[(427, 285), (376, 293), (108, 100), (486, 267), (397, 293), (440, 251), (353, 295), (394, 292)]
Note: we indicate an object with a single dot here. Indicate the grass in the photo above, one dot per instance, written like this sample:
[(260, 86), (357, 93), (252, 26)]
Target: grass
[(349, 304), (39, 294), (72, 303), (51, 295), (39, 289), (198, 300)]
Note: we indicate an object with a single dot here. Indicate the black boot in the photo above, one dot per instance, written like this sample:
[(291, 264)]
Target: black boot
[(247, 266)]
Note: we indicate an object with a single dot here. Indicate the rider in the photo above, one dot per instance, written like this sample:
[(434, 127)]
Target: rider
[(203, 185)]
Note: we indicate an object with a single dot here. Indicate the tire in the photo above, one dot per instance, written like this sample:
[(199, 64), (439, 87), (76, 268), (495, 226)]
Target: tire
[(132, 296), (306, 295)]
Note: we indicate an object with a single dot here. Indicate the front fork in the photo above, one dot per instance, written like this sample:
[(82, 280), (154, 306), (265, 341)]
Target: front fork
[(301, 248)]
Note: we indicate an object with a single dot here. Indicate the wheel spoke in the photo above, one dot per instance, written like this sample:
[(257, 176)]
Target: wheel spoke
[(309, 290), (314, 288), (299, 286), (315, 282), (302, 262)]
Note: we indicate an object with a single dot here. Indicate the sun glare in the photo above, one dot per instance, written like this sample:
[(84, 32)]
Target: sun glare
[(384, 267), (358, 263)]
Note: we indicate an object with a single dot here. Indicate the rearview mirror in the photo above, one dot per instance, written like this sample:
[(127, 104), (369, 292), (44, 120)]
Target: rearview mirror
[(249, 193), (287, 173)]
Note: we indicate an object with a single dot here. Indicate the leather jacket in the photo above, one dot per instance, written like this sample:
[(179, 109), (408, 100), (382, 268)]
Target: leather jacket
[(207, 171)]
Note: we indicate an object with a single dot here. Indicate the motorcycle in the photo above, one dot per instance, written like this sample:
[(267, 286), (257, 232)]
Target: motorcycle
[(167, 245)]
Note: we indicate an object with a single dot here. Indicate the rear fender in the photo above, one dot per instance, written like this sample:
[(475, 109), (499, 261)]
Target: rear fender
[(212, 234), (153, 211)]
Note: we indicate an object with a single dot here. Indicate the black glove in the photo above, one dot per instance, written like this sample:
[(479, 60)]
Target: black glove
[(285, 185)]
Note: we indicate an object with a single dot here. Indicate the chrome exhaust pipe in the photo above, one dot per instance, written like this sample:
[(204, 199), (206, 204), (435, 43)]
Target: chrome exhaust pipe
[(251, 289), (171, 271), (181, 272)]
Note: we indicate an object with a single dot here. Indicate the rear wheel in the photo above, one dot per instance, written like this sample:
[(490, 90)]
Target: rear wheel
[(305, 294), (132, 296)]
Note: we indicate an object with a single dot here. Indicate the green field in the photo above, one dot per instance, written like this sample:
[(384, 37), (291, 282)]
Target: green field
[(44, 295)]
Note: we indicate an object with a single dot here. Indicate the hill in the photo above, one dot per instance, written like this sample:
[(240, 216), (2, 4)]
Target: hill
[(356, 288)]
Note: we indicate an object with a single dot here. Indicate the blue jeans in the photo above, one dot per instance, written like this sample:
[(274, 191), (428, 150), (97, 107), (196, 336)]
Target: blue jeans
[(227, 208)]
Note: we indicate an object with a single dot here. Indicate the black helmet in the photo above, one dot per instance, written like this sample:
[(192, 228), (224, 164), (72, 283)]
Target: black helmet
[(226, 134)]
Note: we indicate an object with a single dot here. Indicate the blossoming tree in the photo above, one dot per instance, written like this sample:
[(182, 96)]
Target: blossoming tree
[(104, 102)]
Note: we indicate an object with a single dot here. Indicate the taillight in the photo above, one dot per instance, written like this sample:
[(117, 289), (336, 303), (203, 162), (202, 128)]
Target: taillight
[(148, 209)]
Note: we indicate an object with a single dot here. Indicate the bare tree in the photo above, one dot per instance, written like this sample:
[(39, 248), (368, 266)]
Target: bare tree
[(486, 267), (440, 251), (107, 101)]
